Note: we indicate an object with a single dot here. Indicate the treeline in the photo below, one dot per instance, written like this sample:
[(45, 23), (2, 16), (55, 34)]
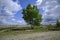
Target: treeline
[(58, 24), (55, 26)]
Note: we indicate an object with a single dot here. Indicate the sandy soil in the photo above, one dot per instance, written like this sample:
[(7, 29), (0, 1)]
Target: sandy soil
[(34, 36)]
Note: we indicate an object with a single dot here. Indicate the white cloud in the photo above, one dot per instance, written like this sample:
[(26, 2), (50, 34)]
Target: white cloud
[(8, 9), (16, 22), (13, 19), (9, 6), (38, 2), (52, 10), (21, 22)]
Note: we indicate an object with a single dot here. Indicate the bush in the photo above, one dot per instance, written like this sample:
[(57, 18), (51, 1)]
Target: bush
[(57, 24)]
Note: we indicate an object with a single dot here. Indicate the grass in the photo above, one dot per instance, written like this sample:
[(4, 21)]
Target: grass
[(40, 29), (55, 38), (24, 31)]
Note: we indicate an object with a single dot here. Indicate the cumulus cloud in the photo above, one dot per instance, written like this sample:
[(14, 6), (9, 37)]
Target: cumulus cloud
[(8, 9), (51, 10), (38, 2), (16, 22), (21, 22)]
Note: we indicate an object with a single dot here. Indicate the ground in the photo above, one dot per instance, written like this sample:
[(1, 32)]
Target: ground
[(53, 35)]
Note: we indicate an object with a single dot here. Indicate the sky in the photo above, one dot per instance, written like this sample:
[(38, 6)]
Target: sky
[(11, 11)]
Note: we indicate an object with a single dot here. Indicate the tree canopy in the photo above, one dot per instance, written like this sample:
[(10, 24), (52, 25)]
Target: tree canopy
[(31, 15)]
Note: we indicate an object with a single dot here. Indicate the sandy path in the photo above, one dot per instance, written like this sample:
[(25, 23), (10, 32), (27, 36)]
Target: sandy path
[(34, 36)]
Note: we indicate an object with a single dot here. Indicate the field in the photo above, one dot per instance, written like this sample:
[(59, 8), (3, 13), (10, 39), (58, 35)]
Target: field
[(20, 30), (26, 33)]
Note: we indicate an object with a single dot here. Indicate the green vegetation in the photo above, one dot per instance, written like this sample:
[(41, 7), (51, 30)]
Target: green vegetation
[(23, 30), (31, 15), (40, 29), (57, 24)]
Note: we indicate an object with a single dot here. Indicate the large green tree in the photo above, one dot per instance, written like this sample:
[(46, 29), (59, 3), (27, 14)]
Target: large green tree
[(31, 15)]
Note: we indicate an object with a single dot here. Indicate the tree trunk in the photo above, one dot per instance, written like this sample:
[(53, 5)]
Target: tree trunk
[(32, 27)]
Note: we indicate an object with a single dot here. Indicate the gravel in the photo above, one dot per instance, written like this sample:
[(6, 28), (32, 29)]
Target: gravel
[(54, 35)]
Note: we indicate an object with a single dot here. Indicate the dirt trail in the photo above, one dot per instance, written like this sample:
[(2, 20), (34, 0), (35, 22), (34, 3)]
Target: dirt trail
[(34, 36)]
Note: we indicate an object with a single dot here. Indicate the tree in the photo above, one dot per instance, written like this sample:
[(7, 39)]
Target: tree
[(31, 15), (57, 23)]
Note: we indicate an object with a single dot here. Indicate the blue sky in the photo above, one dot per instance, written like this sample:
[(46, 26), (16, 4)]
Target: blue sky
[(23, 4), (11, 11)]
